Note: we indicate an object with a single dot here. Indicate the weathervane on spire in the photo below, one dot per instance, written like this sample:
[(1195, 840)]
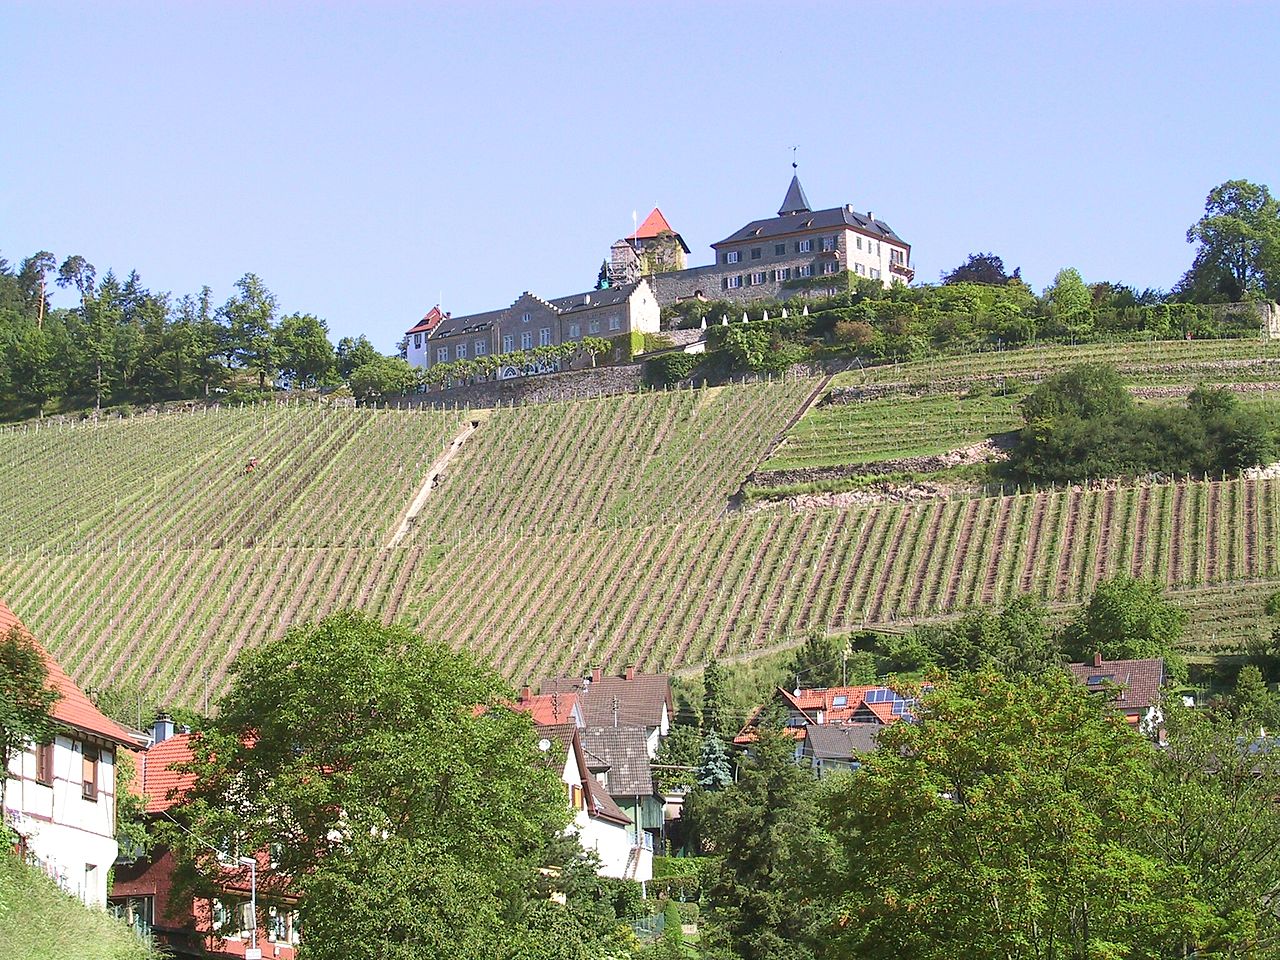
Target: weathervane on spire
[(794, 165)]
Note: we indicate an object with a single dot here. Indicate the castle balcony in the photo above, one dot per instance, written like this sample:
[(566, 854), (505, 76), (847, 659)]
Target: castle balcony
[(902, 270)]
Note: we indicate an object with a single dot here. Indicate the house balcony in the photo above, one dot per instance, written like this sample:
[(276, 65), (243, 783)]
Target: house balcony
[(902, 270)]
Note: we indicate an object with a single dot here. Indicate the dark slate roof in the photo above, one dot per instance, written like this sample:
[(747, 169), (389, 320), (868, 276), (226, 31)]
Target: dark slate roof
[(600, 803), (841, 741), (1139, 681), (795, 201), (575, 303), (625, 751), (836, 217), (640, 699)]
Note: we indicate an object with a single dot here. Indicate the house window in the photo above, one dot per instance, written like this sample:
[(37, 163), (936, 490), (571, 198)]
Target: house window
[(732, 256), (757, 278), (779, 249), (44, 764), (575, 330), (136, 912), (460, 351), (508, 343), (859, 269), (544, 337), (442, 355), (805, 270), (481, 348), (804, 246), (89, 765), (615, 323), (219, 915), (875, 273), (576, 797), (783, 273), (755, 253), (859, 243), (735, 282), (828, 244), (526, 341), (417, 341), (895, 255), (526, 317), (282, 925), (594, 326)]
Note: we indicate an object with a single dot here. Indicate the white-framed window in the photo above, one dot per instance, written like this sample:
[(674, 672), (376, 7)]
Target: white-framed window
[(782, 273), (508, 343), (896, 256), (442, 354), (732, 256), (417, 341), (593, 326), (875, 273), (544, 337), (575, 330), (735, 282), (804, 270), (859, 239), (615, 323), (828, 244), (481, 348), (526, 317), (757, 278), (779, 249), (831, 267), (526, 341), (804, 246), (282, 925), (460, 351)]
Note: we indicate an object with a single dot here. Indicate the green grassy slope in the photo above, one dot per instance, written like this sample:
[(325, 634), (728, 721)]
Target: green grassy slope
[(40, 922)]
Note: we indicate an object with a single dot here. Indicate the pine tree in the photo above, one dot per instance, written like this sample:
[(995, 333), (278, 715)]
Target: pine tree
[(714, 771)]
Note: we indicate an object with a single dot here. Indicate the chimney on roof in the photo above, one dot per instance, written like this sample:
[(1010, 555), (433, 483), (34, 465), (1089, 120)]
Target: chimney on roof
[(162, 729), (631, 672), (871, 216), (524, 693), (848, 208), (596, 674), (586, 299), (1097, 658)]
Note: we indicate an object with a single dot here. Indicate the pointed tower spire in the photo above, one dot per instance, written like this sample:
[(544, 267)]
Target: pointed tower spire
[(795, 201)]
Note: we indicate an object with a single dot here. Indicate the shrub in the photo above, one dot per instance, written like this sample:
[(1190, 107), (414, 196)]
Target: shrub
[(670, 368)]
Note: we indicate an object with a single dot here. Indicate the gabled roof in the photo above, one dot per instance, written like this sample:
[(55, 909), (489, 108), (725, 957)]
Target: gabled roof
[(842, 741), (73, 709), (624, 753), (655, 224), (575, 303), (162, 785), (598, 801), (795, 201), (429, 322), (835, 218), (868, 702), (640, 697), (1138, 681), (550, 708)]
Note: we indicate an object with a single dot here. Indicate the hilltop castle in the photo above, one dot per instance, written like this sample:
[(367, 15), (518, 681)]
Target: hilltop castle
[(771, 258)]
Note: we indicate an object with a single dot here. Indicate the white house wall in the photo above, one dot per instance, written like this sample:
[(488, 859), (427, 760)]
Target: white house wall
[(73, 838)]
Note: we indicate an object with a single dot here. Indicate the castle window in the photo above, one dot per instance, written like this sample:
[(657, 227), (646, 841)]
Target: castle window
[(526, 317), (828, 244), (615, 323), (875, 273), (755, 253), (575, 330), (779, 249), (544, 337), (805, 270), (859, 243), (757, 278), (460, 351), (895, 256), (594, 326), (782, 274), (526, 341), (417, 341), (732, 256), (804, 246), (442, 355), (508, 343), (735, 282), (481, 348), (831, 267)]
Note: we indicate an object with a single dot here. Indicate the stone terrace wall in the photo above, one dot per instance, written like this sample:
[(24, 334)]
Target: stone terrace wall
[(571, 385)]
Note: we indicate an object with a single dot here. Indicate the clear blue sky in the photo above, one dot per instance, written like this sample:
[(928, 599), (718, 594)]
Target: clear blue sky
[(368, 161)]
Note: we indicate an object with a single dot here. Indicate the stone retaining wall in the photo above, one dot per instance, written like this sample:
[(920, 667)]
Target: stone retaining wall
[(547, 388)]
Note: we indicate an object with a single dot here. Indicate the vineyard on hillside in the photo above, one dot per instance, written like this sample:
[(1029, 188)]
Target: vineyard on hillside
[(661, 595)]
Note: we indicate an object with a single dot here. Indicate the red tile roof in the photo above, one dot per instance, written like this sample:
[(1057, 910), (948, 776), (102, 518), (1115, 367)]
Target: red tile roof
[(548, 708), (429, 322), (73, 708), (161, 783), (654, 224), (1139, 681)]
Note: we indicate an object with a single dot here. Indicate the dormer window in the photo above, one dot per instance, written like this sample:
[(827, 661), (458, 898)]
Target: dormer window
[(840, 701)]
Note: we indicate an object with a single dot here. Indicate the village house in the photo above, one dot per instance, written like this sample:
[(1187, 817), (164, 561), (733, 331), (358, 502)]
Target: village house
[(629, 699), (142, 891), (531, 321), (1135, 685), (60, 797), (779, 256)]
